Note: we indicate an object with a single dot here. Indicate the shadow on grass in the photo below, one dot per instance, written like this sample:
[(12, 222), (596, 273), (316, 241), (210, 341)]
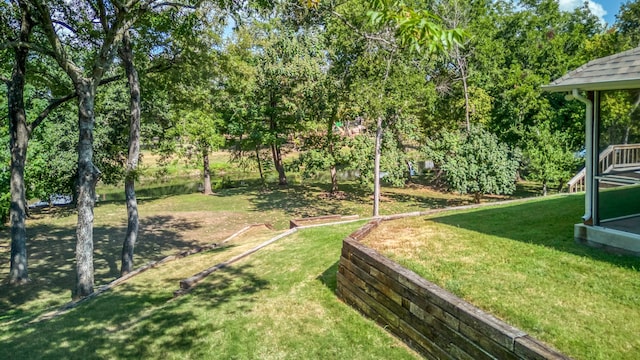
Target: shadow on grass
[(136, 322), (546, 223), (329, 277), (51, 251), (299, 200)]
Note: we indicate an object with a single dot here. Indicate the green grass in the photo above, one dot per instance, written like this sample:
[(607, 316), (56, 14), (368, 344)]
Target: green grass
[(520, 262), (277, 304)]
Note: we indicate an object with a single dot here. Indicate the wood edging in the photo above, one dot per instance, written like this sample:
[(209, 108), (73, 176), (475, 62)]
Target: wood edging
[(150, 265), (297, 223)]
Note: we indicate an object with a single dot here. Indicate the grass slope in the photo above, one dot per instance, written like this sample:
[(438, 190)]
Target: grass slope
[(277, 304), (520, 263)]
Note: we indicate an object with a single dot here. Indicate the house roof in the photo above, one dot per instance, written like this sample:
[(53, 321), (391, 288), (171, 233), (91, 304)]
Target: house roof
[(616, 72)]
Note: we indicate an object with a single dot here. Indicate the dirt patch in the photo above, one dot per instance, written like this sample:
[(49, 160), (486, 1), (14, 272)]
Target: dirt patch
[(336, 195), (194, 227)]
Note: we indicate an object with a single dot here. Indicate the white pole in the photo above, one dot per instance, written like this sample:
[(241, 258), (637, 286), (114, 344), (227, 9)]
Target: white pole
[(589, 162)]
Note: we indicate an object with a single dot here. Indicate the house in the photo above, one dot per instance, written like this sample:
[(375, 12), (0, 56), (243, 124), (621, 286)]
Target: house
[(609, 88)]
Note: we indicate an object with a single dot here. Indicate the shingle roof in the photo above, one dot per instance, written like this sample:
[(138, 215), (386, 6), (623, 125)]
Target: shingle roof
[(615, 72)]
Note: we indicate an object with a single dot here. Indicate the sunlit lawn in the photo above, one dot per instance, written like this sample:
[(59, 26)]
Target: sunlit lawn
[(279, 303), (520, 263)]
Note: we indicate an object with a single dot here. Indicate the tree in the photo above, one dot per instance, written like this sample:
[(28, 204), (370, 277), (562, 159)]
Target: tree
[(416, 32), (19, 27), (126, 54), (19, 130), (289, 65), (475, 162), (548, 156), (628, 21), (98, 29)]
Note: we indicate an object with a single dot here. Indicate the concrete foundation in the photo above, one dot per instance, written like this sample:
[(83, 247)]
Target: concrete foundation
[(615, 241)]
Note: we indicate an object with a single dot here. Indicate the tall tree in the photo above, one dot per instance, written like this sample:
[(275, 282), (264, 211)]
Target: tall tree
[(18, 26), (289, 65), (19, 130), (126, 54), (415, 31), (98, 28)]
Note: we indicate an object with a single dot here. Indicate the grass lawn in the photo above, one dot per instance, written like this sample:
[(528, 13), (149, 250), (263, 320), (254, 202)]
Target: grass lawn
[(277, 304), (520, 263)]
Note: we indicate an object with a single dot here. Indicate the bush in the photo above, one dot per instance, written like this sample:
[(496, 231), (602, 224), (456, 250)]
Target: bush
[(475, 162)]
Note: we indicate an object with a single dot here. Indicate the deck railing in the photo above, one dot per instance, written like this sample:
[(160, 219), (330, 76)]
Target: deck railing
[(614, 157)]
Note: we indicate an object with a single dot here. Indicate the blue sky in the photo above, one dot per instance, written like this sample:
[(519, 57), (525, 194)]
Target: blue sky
[(605, 9)]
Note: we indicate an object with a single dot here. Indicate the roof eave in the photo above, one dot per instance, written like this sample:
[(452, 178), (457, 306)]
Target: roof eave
[(607, 85)]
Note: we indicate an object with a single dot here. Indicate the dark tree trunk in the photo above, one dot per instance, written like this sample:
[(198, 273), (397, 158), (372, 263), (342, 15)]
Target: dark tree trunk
[(277, 160), (275, 148), (88, 176), (260, 167), (331, 138), (129, 243), (207, 172), (376, 171), (18, 273), (19, 140)]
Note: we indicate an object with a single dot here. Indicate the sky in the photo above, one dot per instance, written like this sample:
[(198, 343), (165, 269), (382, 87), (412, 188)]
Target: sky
[(604, 9)]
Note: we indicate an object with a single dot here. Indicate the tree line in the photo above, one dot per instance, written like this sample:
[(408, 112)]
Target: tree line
[(369, 85)]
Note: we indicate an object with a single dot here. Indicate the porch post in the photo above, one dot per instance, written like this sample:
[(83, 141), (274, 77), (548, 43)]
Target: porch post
[(587, 218), (594, 96)]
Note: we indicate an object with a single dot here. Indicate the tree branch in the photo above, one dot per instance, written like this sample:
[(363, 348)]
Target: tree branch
[(59, 52), (360, 33), (102, 15), (65, 25), (57, 102), (52, 105), (28, 45), (173, 4)]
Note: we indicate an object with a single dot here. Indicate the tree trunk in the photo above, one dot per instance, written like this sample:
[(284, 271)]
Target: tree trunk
[(463, 74), (277, 161), (260, 167), (376, 171), (334, 179), (88, 176), (544, 188), (207, 172), (626, 134), (331, 139), (129, 242), (477, 196), (19, 138)]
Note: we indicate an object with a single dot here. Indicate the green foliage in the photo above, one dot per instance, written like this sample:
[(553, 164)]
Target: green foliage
[(475, 162), (628, 21), (416, 30), (548, 157), (620, 117)]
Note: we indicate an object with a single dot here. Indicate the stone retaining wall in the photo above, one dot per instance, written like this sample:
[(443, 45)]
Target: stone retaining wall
[(428, 318)]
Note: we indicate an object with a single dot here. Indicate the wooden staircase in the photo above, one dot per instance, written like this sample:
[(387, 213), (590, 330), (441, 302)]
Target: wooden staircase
[(613, 158)]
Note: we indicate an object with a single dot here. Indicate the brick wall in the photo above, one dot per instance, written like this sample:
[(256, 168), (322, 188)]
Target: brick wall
[(431, 320)]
